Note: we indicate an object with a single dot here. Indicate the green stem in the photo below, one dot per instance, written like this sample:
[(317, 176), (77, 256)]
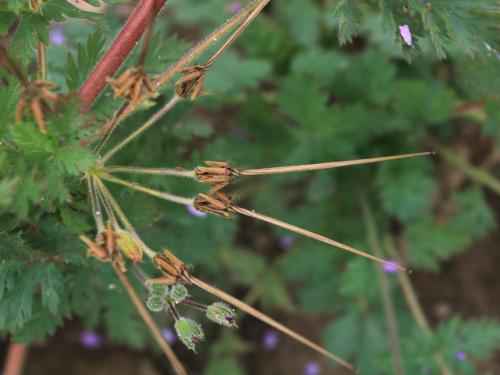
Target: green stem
[(414, 305), (374, 242), (150, 171), (167, 107), (143, 189), (468, 169)]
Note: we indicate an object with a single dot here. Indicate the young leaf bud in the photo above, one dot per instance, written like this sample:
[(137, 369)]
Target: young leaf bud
[(129, 245), (178, 293), (189, 332), (155, 303), (222, 314)]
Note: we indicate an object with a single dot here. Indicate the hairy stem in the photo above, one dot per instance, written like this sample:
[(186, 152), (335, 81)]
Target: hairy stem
[(42, 62), (329, 165), (94, 203), (153, 328), (158, 115), (119, 50), (384, 287), (307, 233), (266, 319), (150, 171), (143, 189)]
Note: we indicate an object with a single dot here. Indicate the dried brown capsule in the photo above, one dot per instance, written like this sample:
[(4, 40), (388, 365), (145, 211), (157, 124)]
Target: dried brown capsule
[(217, 174), (192, 82), (172, 268), (217, 204)]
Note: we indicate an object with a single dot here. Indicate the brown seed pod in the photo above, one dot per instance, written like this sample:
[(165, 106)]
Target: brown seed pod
[(217, 204), (217, 174), (172, 269), (192, 82)]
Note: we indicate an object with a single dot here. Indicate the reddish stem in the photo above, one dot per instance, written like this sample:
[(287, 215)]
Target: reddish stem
[(15, 359), (119, 50)]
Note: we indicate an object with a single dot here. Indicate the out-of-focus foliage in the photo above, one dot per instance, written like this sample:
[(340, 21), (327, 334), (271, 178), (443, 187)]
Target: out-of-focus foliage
[(286, 93)]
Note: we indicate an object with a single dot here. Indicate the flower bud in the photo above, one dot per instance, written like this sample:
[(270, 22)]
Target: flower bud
[(189, 332), (129, 245), (178, 293), (222, 314)]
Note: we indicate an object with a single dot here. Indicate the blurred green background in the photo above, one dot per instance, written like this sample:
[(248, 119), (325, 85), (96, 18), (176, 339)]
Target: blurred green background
[(287, 93)]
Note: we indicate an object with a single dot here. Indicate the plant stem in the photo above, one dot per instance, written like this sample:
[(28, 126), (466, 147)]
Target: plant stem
[(167, 107), (153, 328), (143, 189), (468, 169), (266, 319), (314, 236), (119, 50), (42, 62), (414, 305), (150, 171), (196, 305), (14, 362), (384, 287), (94, 203), (329, 165), (261, 5), (193, 53), (116, 207)]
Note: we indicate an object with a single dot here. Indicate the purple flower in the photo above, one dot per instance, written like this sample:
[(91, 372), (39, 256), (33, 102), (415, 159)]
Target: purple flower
[(460, 356), (235, 7), (169, 335), (194, 212), (91, 340), (405, 32), (286, 241), (270, 339), (312, 368), (57, 35), (390, 269)]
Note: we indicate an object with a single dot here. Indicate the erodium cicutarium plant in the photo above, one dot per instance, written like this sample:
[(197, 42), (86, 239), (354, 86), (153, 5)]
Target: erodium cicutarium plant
[(59, 160)]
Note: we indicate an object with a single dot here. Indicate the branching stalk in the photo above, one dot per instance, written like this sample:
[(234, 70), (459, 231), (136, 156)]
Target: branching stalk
[(167, 107), (153, 328), (151, 171), (192, 54), (143, 189), (119, 50), (266, 319)]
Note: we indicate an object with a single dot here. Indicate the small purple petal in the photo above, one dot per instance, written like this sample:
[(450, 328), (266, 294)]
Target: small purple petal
[(286, 241), (405, 32), (312, 368), (460, 356), (91, 340), (194, 212), (390, 269), (169, 335), (270, 339), (57, 35), (235, 7)]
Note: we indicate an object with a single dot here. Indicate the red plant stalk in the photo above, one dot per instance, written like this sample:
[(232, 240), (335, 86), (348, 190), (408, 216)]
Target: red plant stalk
[(14, 362), (119, 50)]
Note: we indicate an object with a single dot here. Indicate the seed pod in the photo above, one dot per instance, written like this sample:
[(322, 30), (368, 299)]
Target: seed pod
[(189, 333), (156, 300), (155, 303), (222, 314), (178, 293), (129, 245)]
